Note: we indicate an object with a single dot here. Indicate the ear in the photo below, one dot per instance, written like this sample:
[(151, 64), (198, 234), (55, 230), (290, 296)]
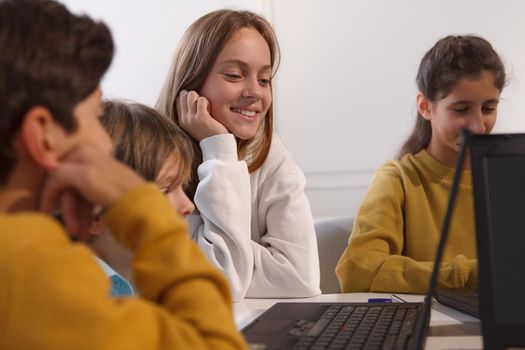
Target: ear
[(424, 106), (40, 136)]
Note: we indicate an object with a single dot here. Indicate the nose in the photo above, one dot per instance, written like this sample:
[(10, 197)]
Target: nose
[(187, 207), (476, 123), (252, 89), (182, 204)]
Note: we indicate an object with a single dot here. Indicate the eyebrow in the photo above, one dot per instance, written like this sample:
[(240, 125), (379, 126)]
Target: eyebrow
[(242, 64), (179, 180), (167, 180), (494, 100)]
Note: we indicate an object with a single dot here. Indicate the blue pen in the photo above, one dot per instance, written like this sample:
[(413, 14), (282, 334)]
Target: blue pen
[(379, 300)]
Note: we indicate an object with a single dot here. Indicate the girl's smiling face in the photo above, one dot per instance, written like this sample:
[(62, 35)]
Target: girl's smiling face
[(238, 85), (471, 104)]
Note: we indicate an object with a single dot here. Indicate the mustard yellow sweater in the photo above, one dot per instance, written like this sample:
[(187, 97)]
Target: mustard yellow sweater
[(396, 231), (53, 295)]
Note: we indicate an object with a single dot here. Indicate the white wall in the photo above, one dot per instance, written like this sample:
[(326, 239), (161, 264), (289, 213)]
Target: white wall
[(344, 94), (146, 34)]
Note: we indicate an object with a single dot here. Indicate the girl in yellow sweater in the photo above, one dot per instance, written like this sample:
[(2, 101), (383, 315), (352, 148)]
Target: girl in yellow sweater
[(396, 230)]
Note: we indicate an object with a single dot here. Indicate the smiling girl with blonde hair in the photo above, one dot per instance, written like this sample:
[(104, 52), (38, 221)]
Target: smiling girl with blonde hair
[(253, 219)]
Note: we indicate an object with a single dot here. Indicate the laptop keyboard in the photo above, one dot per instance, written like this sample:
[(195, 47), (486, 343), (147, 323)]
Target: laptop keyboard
[(361, 327)]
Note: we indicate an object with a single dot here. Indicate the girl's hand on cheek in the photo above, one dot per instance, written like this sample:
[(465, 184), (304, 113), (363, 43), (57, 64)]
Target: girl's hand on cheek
[(195, 118)]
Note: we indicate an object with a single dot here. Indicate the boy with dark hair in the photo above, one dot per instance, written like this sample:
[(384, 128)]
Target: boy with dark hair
[(54, 153)]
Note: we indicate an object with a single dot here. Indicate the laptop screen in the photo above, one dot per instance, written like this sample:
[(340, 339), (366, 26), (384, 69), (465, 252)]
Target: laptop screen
[(505, 199)]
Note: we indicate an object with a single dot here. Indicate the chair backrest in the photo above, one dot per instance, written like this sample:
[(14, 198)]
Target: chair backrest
[(332, 239)]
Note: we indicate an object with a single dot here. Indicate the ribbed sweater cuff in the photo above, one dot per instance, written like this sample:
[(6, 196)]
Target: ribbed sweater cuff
[(471, 274), (221, 147)]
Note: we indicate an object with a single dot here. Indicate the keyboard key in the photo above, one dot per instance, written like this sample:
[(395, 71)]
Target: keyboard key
[(361, 327)]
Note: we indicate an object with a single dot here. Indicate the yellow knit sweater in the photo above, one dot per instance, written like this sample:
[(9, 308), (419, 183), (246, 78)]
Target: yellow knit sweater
[(396, 231), (53, 294)]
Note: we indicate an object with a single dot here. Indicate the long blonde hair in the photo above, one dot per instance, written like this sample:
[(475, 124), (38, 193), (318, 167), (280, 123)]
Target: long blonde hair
[(195, 55)]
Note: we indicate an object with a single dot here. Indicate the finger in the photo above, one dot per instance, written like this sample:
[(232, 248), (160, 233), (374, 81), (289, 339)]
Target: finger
[(193, 97), (56, 182), (179, 109), (96, 176), (203, 107), (182, 106), (50, 195), (86, 217), (69, 209)]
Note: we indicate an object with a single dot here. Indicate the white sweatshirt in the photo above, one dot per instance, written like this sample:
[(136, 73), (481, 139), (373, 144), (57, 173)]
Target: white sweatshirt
[(256, 228)]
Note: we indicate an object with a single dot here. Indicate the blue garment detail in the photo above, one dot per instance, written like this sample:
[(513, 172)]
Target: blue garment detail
[(120, 287)]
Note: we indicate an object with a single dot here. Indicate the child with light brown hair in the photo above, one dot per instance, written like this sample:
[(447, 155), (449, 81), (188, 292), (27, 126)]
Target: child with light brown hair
[(156, 148)]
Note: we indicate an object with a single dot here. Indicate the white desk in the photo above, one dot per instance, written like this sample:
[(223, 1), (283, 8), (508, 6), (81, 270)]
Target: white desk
[(449, 329)]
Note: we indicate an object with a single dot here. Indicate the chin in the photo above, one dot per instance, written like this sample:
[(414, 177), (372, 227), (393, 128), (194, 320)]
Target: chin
[(244, 134), (245, 137)]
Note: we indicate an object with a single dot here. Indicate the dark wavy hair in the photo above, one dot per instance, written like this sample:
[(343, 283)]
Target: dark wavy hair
[(48, 57), (449, 60)]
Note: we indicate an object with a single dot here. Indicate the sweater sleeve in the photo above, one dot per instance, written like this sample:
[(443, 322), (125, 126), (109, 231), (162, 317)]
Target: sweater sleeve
[(62, 296), (374, 259), (284, 263), (222, 225)]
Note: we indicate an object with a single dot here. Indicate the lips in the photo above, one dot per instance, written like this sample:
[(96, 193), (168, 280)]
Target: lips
[(244, 112)]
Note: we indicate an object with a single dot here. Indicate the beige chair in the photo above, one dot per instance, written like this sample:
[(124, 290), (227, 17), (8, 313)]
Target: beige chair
[(332, 239)]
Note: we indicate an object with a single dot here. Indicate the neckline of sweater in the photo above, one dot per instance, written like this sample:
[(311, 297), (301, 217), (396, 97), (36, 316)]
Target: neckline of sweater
[(443, 171)]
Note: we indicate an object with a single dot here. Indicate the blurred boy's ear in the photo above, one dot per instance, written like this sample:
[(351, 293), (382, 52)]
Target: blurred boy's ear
[(424, 107), (41, 137)]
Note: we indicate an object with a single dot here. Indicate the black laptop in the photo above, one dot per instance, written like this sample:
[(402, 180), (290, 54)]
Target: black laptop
[(498, 166), (352, 325), (498, 170), (463, 299)]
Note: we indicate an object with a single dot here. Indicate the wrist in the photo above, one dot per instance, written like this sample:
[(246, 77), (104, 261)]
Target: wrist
[(221, 146), (120, 189)]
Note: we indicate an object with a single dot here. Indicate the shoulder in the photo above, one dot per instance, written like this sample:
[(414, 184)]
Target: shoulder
[(401, 177), (396, 176), (398, 169), (279, 160), (392, 169), (26, 227), (31, 237), (279, 149)]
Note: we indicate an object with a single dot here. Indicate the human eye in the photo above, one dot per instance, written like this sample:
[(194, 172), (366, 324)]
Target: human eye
[(232, 76), (265, 82), (488, 109), (461, 109), (164, 190)]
